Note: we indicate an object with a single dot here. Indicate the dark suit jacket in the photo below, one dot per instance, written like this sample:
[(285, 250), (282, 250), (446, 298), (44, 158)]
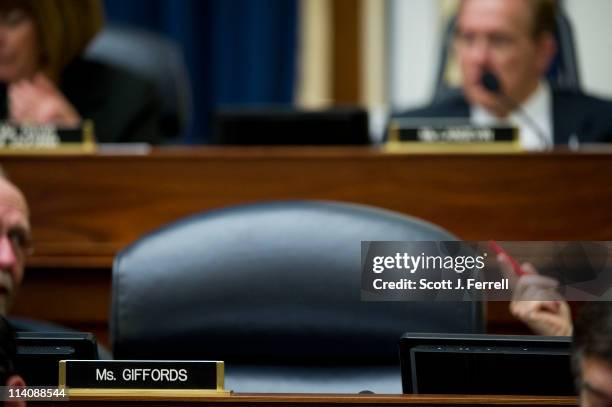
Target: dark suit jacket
[(574, 113), (123, 106)]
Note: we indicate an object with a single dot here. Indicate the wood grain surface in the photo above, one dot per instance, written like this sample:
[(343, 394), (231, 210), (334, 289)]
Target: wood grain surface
[(86, 208)]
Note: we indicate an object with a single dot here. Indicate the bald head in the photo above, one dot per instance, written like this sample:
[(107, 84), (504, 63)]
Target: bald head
[(11, 195), (14, 241)]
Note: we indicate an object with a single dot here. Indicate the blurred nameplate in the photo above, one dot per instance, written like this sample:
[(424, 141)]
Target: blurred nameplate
[(46, 139), (131, 377), (449, 136)]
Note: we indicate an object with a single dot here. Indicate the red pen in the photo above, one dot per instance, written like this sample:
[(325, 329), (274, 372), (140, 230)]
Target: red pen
[(515, 265)]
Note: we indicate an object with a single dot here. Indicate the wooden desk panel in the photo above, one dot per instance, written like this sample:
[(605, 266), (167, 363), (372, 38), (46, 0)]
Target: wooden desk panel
[(84, 209)]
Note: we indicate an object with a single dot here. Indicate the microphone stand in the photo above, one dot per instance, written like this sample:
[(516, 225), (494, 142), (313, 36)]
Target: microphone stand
[(491, 83)]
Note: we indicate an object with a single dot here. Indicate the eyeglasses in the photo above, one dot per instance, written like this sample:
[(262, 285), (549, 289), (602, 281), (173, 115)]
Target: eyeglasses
[(21, 241), (496, 43)]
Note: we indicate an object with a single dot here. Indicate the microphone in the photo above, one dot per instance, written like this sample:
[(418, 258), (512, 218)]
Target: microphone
[(491, 82)]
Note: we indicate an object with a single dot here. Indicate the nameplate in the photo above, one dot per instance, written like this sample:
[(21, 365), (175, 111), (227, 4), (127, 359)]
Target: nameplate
[(457, 134), (452, 137), (24, 139), (141, 375)]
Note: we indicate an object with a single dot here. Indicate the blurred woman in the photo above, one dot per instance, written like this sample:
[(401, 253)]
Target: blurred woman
[(48, 82)]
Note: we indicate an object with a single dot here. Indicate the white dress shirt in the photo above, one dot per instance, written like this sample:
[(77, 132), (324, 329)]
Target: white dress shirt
[(538, 108)]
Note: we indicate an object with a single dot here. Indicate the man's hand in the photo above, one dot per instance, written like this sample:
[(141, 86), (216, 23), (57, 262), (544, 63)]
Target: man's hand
[(39, 101), (536, 301)]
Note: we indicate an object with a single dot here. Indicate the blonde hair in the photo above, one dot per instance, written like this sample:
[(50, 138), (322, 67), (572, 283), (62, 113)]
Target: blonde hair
[(65, 28)]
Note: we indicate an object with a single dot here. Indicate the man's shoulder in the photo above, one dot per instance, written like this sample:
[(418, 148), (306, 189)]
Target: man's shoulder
[(452, 106), (579, 113), (580, 99)]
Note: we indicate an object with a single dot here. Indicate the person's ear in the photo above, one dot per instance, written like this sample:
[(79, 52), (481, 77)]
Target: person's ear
[(15, 381), (547, 49)]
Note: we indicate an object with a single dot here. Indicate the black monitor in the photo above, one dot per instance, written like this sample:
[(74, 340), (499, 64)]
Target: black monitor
[(486, 364), (267, 126), (39, 353)]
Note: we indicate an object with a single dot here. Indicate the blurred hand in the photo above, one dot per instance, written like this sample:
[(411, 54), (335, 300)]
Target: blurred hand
[(536, 301), (39, 101)]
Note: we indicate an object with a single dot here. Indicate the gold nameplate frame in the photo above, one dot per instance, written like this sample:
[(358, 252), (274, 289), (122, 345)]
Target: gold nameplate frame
[(408, 136), (137, 379), (46, 139)]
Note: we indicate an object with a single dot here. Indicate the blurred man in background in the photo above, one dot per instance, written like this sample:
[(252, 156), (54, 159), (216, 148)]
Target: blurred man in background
[(504, 49)]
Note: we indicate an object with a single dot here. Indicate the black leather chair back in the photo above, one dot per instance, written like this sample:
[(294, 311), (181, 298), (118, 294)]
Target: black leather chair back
[(156, 58), (271, 284)]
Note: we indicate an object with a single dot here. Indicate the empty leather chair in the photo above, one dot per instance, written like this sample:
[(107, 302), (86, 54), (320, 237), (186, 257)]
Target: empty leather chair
[(156, 58), (273, 289)]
